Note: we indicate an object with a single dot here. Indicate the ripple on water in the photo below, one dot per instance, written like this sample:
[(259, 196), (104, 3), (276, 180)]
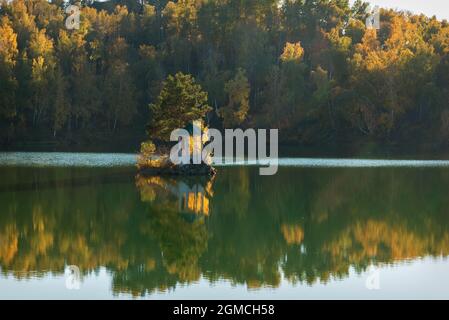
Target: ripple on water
[(63, 159), (344, 163)]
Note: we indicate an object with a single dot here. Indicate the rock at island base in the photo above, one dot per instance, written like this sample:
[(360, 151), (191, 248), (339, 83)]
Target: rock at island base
[(180, 170)]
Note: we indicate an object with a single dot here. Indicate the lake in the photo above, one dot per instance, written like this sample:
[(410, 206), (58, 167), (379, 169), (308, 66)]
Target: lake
[(86, 226)]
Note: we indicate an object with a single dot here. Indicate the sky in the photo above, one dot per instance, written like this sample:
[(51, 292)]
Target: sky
[(439, 8)]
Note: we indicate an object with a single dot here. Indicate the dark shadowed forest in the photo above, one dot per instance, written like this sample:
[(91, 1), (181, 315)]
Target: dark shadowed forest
[(310, 68)]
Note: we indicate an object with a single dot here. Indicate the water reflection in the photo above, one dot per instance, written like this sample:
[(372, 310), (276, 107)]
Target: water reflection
[(191, 194), (152, 234)]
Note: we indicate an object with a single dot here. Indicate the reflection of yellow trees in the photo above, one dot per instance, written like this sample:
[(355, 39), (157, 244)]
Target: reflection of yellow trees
[(149, 241), (293, 234), (388, 242), (182, 241), (43, 229), (254, 284), (196, 201), (191, 196), (41, 236), (9, 239)]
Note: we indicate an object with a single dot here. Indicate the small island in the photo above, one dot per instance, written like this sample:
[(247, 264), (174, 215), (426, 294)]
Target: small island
[(182, 97)]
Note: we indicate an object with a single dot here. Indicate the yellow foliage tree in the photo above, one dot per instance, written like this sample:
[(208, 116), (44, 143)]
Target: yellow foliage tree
[(292, 52)]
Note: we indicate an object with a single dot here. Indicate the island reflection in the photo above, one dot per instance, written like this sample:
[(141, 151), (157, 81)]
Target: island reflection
[(153, 234)]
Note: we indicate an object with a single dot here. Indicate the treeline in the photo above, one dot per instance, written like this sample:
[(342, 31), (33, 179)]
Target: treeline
[(310, 68)]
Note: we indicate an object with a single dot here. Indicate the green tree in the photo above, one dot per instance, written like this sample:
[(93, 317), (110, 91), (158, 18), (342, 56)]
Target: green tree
[(119, 88), (61, 102), (238, 90), (180, 102)]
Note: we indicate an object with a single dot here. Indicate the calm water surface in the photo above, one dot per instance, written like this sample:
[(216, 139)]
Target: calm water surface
[(320, 228)]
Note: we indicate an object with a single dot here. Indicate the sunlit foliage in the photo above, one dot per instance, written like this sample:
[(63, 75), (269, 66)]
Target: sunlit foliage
[(310, 68)]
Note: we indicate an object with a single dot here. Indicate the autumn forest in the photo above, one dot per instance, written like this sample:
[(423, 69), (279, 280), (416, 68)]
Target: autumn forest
[(310, 68)]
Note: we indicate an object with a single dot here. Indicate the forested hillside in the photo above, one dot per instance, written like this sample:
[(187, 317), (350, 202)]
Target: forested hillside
[(310, 68)]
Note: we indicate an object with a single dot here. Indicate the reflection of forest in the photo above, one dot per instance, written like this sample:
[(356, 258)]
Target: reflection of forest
[(310, 224), (192, 195)]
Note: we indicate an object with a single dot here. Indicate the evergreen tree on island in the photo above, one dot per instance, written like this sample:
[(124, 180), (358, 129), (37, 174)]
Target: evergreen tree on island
[(180, 103)]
